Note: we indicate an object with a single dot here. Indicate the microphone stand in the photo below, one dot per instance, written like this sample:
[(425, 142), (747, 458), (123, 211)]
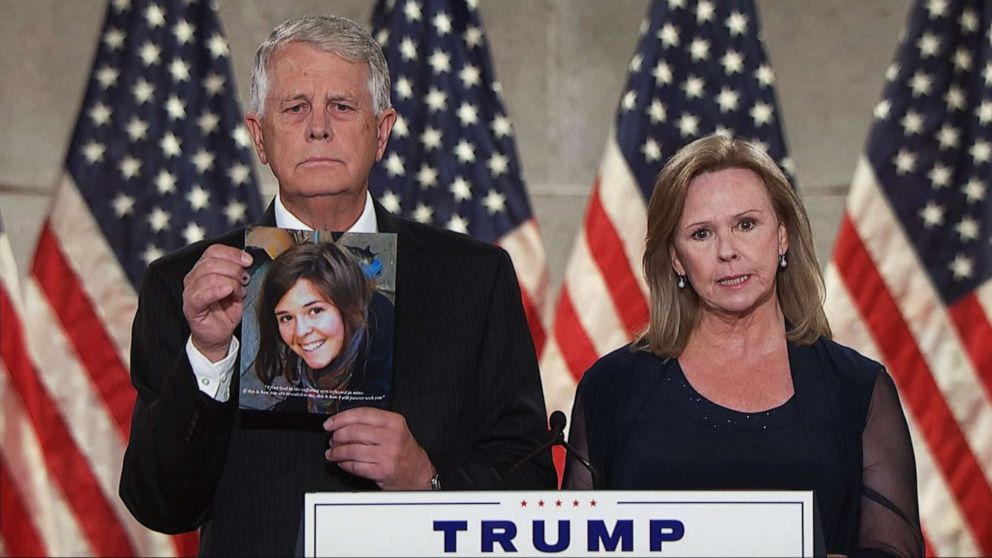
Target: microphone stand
[(557, 438)]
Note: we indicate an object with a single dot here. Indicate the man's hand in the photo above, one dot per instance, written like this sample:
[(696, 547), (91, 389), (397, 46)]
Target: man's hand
[(213, 298), (378, 445)]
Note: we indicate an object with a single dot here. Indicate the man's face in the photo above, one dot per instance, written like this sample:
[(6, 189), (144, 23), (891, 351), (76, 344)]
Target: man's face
[(319, 135)]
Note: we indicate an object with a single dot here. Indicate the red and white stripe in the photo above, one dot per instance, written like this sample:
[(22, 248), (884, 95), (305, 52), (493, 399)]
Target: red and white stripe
[(881, 302), (70, 397), (603, 298), (527, 253), (29, 512)]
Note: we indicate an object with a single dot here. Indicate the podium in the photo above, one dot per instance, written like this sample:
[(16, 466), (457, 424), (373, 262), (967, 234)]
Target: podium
[(560, 523)]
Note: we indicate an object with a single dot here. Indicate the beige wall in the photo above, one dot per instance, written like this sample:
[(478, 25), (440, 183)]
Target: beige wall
[(562, 64)]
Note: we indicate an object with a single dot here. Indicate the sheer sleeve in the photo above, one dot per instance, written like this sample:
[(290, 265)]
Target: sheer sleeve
[(576, 476), (890, 521)]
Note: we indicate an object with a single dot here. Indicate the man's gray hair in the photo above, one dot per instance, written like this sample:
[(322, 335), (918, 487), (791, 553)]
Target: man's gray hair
[(339, 35)]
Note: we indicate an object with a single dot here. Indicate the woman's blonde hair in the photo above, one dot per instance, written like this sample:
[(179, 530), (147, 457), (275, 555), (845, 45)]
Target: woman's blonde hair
[(675, 312)]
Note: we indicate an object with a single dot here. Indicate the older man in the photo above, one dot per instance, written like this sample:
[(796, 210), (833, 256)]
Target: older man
[(466, 394)]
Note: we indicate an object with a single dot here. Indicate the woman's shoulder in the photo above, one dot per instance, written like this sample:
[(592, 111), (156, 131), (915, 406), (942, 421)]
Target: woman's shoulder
[(847, 358), (622, 366), (855, 371), (615, 385)]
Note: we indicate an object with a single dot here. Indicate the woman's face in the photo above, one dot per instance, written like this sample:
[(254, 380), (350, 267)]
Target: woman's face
[(309, 324), (728, 242)]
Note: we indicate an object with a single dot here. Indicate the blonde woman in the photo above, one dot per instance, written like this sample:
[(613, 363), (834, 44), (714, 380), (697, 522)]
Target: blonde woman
[(736, 383)]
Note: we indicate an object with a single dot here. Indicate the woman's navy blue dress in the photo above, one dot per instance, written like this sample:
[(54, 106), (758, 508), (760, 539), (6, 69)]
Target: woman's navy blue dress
[(842, 434)]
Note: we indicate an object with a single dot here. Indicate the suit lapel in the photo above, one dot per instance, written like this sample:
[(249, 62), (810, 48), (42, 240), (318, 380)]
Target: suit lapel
[(268, 219), (414, 284)]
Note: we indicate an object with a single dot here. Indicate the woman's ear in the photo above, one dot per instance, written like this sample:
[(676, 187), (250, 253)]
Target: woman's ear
[(676, 262), (783, 238)]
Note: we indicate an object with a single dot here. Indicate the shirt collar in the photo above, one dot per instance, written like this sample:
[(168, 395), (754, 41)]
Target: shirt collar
[(366, 223)]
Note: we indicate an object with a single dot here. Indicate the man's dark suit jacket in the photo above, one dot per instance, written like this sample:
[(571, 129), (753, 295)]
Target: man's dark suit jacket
[(465, 379)]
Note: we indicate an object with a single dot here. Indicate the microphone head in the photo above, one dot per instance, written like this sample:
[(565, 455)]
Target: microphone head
[(557, 421)]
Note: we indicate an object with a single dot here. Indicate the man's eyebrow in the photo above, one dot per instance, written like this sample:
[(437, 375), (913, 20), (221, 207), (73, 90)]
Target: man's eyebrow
[(334, 97)]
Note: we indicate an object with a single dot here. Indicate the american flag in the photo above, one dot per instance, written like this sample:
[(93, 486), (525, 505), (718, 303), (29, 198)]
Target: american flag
[(699, 68), (909, 281), (158, 159), (452, 158), (15, 520)]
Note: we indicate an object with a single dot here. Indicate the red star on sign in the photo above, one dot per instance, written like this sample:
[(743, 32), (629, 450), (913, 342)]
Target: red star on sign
[(575, 503), (593, 503), (540, 503), (523, 503), (557, 503)]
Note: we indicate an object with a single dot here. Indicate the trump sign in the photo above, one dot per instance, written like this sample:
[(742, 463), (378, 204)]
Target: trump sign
[(562, 523)]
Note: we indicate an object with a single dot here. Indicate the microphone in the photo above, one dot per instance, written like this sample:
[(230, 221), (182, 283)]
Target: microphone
[(557, 423)]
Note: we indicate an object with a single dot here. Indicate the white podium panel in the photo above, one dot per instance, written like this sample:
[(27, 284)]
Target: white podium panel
[(560, 523)]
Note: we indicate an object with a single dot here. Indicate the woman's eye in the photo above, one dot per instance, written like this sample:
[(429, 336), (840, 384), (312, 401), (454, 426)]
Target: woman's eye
[(747, 224), (700, 234), (316, 310), (284, 319)]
